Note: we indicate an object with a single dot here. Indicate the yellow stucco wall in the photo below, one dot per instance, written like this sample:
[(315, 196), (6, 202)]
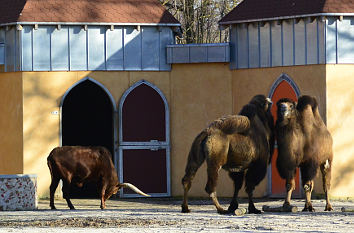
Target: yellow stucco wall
[(311, 80), (340, 96), (11, 140), (42, 94), (200, 93), (196, 93)]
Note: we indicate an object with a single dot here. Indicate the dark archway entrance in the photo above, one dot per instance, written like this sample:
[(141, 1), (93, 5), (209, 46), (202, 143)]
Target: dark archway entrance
[(87, 120)]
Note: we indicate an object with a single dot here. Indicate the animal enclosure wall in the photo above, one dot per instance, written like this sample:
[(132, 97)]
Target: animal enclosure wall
[(196, 95), (340, 112), (11, 127)]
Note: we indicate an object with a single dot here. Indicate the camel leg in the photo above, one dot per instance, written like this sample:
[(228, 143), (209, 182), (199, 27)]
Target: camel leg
[(326, 180), (52, 188), (290, 187), (308, 187), (210, 188), (308, 173), (191, 170), (66, 194), (254, 175), (237, 177)]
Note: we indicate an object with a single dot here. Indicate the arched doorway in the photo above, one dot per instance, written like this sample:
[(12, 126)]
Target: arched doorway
[(144, 145), (283, 87), (87, 120)]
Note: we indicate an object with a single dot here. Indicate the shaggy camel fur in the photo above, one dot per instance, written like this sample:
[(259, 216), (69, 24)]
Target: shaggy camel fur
[(303, 141), (239, 144)]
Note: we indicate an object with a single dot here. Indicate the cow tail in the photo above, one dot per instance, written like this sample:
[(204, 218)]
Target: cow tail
[(196, 156)]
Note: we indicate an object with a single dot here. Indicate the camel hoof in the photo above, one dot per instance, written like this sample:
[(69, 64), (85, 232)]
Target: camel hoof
[(308, 209), (254, 211), (328, 208), (223, 212), (185, 209)]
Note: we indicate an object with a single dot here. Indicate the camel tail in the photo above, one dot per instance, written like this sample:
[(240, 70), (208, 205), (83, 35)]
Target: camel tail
[(196, 155)]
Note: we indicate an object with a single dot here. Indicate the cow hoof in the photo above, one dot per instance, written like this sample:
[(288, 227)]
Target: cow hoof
[(53, 208), (72, 208)]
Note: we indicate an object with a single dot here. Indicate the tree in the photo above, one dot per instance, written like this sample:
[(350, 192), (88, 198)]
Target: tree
[(199, 18)]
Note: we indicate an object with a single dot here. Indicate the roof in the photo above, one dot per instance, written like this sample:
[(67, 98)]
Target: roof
[(257, 10), (85, 11)]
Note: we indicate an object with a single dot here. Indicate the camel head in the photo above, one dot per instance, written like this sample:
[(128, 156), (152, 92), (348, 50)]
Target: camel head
[(262, 102), (286, 110)]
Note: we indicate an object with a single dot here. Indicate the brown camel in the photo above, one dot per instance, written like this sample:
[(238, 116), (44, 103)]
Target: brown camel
[(240, 144), (303, 141)]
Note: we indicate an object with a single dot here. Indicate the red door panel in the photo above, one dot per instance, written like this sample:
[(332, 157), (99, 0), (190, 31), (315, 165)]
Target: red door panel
[(283, 90), (146, 169)]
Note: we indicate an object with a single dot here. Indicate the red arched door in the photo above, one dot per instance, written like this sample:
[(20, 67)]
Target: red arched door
[(282, 90), (144, 140)]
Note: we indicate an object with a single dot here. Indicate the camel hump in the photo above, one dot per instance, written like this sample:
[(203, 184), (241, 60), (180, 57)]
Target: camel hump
[(306, 100), (231, 124)]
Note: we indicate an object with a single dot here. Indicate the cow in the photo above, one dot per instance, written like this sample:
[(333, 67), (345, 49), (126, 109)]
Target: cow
[(79, 164)]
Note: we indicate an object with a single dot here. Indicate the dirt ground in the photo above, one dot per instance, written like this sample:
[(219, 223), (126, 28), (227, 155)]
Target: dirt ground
[(163, 215)]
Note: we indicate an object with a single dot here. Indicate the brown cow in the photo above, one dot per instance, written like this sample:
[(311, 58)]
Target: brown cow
[(78, 164), (305, 142)]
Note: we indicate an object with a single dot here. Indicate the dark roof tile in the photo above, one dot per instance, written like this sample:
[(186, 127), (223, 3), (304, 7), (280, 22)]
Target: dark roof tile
[(90, 11), (264, 9)]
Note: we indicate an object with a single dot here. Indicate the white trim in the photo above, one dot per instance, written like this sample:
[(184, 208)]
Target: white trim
[(284, 18), (18, 176), (113, 106), (93, 23), (145, 145)]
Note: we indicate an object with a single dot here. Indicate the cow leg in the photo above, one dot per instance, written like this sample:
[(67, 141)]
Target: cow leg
[(237, 177), (254, 175), (102, 192), (66, 194), (326, 180), (52, 188), (210, 188)]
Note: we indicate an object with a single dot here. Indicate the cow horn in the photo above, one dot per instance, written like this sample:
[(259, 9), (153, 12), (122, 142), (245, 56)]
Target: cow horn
[(135, 189)]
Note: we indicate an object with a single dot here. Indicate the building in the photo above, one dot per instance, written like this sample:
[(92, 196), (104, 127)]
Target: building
[(109, 73)]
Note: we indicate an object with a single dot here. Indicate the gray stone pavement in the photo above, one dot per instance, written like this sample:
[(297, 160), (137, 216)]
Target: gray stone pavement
[(163, 215)]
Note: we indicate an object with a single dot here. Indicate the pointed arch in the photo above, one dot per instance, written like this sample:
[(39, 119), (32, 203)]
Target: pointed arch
[(283, 87), (94, 81), (87, 118), (286, 78), (144, 140), (124, 97)]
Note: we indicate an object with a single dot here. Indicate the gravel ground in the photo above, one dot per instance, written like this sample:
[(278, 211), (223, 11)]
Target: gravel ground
[(163, 215)]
